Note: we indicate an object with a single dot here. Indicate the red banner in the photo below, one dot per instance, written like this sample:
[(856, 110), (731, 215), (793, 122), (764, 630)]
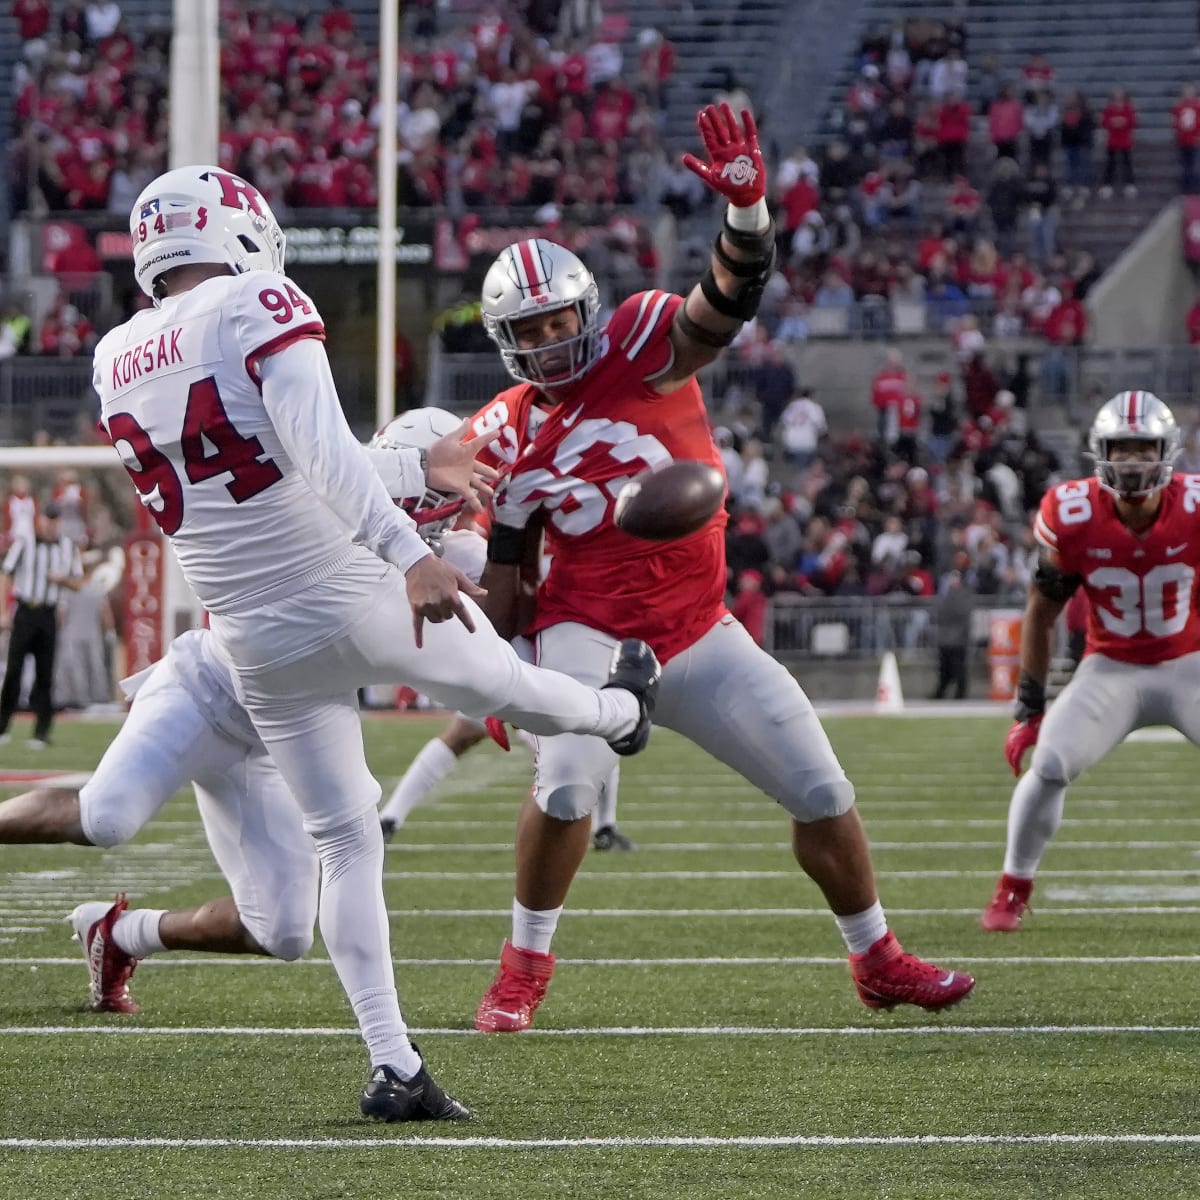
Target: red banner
[(144, 577)]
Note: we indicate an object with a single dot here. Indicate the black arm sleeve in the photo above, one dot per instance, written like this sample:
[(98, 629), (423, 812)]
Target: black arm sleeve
[(1054, 583), (506, 545)]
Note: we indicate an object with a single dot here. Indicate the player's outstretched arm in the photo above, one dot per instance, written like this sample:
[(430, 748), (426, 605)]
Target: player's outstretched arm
[(731, 289)]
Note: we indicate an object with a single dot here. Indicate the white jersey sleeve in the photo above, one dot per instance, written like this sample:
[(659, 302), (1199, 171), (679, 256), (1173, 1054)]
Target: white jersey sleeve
[(300, 398)]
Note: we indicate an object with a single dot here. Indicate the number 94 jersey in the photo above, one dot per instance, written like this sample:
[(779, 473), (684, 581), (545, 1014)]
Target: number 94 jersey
[(1141, 587), (180, 397)]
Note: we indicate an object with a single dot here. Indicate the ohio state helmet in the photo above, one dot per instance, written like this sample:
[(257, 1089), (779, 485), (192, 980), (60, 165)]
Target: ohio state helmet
[(1134, 416), (202, 215), (537, 276), (418, 429)]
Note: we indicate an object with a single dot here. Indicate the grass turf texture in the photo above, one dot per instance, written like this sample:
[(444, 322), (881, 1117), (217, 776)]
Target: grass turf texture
[(1038, 1053)]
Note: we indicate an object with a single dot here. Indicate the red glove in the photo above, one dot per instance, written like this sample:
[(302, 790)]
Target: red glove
[(736, 170), (497, 732), (1022, 736)]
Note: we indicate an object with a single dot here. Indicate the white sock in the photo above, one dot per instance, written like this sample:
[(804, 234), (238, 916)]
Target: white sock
[(136, 931), (861, 931), (354, 924), (434, 762), (534, 929), (605, 812), (1034, 815)]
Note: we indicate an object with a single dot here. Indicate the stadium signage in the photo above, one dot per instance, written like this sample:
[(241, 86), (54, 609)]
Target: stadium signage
[(143, 602)]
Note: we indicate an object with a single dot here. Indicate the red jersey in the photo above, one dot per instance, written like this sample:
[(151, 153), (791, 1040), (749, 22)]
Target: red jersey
[(606, 428), (1142, 587)]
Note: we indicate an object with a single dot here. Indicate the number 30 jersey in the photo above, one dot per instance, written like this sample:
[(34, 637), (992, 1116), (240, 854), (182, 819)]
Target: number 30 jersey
[(607, 427), (1141, 587), (181, 398)]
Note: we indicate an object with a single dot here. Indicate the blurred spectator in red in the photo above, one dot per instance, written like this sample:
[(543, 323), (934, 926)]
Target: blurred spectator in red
[(1192, 321), (979, 385), (962, 206), (1119, 120), (335, 19), (888, 389), (1037, 75), (954, 131), (1065, 328), (33, 19), (656, 64), (1185, 117), (66, 332), (1005, 122), (750, 604), (908, 422)]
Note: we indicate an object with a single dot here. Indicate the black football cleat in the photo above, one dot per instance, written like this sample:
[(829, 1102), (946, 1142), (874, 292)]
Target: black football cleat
[(387, 1097), (609, 837), (388, 828), (635, 669)]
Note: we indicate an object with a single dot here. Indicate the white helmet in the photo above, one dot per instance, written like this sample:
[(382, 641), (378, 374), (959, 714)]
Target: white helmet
[(418, 429), (202, 215), (538, 276), (1134, 416)]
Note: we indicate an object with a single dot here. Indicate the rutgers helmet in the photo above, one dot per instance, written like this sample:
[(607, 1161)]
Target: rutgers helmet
[(202, 215), (418, 429), (1134, 416), (537, 276)]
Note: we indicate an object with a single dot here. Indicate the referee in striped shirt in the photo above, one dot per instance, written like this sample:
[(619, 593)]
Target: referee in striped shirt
[(35, 570)]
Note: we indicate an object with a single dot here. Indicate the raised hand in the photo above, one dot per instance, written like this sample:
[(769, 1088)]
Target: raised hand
[(735, 169), (453, 466), (1022, 736)]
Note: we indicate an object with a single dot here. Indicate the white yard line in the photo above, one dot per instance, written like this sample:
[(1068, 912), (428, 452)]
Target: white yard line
[(326, 1031), (405, 1142)]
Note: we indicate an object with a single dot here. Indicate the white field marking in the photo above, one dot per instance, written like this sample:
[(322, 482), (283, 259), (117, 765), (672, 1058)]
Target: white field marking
[(588, 875), (1130, 893), (253, 960), (753, 1142), (673, 913), (1156, 733), (327, 1031), (772, 822), (736, 846)]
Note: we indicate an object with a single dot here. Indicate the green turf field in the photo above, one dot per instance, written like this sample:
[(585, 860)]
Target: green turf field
[(701, 1036)]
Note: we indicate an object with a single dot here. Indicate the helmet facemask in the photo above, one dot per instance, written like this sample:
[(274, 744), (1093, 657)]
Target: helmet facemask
[(1142, 418), (541, 365)]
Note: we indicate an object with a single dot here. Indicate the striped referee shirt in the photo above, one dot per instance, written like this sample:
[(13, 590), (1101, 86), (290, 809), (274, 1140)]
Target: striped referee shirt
[(31, 562)]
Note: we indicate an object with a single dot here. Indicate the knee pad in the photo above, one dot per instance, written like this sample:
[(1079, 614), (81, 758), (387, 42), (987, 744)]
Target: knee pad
[(831, 798), (350, 843), (567, 802), (109, 820), (1049, 764), (284, 943)]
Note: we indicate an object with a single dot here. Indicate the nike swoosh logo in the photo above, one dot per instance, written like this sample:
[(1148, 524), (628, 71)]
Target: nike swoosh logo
[(947, 981), (567, 422), (1176, 549)]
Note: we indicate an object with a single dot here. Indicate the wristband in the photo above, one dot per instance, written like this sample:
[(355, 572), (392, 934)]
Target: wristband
[(749, 220), (1031, 697)]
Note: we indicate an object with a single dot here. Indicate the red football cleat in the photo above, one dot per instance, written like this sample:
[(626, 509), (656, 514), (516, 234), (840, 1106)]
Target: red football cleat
[(519, 987), (109, 967), (1008, 905), (885, 976)]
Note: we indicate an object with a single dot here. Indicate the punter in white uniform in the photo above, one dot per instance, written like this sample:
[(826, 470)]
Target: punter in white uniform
[(222, 407), (187, 725)]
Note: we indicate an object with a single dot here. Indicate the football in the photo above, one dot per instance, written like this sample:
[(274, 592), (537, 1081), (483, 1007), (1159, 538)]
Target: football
[(670, 501)]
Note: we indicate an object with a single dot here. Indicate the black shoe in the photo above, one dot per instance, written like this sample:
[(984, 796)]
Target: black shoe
[(635, 669), (609, 837), (388, 826), (387, 1097)]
